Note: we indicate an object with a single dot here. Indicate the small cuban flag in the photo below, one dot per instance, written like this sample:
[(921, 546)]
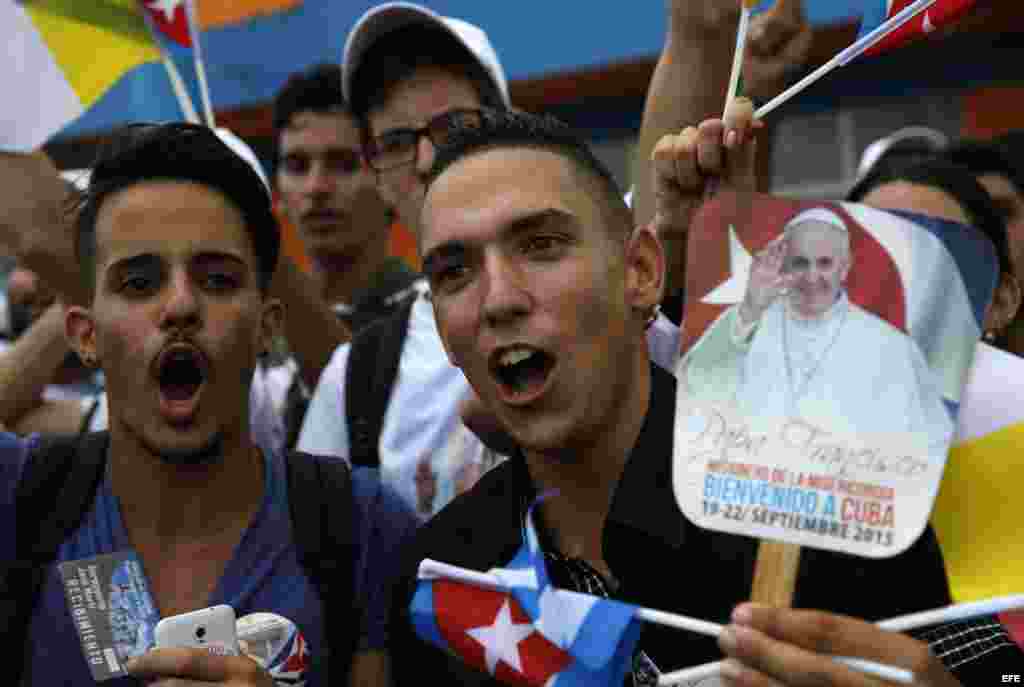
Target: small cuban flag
[(170, 19), (512, 624), (938, 15)]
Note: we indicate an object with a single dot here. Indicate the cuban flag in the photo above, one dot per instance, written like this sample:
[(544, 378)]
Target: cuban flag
[(175, 29), (169, 20), (512, 624), (941, 14)]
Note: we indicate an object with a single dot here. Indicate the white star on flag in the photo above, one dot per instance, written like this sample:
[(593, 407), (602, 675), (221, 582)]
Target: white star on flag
[(168, 7), (733, 289), (927, 26), (501, 640)]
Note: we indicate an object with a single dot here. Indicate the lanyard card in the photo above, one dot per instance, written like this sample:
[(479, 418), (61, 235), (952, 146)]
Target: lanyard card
[(112, 609)]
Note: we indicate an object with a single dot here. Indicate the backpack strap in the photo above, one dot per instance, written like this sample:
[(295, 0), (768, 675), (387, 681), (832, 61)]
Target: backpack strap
[(369, 377), (324, 518), (56, 490)]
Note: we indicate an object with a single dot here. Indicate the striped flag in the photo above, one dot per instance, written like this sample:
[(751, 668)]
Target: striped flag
[(522, 630), (941, 14), (175, 30), (63, 55)]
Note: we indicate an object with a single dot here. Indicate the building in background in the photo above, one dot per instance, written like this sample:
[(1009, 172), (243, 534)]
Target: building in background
[(595, 78)]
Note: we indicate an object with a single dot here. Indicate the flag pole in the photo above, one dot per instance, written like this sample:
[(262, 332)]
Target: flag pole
[(741, 48), (902, 623), (197, 58), (178, 86), (706, 670), (188, 110), (954, 613), (847, 55)]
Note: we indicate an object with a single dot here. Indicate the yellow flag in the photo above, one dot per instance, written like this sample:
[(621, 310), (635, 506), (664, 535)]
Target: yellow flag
[(979, 514), (71, 52)]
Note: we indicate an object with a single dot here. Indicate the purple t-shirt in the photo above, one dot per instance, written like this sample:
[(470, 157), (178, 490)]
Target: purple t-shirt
[(263, 575)]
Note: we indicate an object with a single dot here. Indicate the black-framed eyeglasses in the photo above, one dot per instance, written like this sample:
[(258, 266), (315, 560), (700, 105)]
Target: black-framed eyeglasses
[(398, 147)]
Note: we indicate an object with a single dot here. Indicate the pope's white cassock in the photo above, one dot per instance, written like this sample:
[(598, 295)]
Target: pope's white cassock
[(847, 372)]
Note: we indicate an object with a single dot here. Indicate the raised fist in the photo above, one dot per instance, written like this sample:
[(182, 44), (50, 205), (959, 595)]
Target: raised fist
[(689, 166)]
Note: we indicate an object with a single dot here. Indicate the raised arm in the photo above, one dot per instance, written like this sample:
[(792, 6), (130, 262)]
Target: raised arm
[(689, 82), (35, 225), (30, 364)]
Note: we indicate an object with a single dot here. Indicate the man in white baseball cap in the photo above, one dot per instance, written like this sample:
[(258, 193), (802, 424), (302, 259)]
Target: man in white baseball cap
[(393, 16), (407, 74)]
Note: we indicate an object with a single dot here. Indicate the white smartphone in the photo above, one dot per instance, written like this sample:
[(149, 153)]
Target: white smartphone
[(210, 628)]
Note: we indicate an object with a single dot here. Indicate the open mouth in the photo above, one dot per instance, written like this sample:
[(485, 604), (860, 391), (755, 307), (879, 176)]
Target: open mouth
[(181, 373), (522, 372)]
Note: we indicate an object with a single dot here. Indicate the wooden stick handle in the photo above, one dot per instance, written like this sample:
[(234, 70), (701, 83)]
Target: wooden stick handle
[(775, 573)]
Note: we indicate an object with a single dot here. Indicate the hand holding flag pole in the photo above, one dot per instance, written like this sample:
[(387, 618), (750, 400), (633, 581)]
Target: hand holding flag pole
[(741, 48), (911, 621), (778, 562)]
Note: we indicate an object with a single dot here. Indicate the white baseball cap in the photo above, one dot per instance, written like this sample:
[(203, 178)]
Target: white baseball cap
[(922, 137), (390, 16)]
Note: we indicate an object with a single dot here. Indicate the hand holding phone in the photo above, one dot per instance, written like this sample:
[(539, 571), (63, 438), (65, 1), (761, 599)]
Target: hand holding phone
[(212, 629)]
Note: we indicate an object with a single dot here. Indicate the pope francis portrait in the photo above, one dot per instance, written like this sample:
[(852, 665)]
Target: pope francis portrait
[(796, 348)]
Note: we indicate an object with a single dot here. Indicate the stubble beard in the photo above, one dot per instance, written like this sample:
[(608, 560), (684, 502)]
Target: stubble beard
[(208, 453)]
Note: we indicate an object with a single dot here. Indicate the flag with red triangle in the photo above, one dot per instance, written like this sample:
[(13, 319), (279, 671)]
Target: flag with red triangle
[(169, 19), (941, 14)]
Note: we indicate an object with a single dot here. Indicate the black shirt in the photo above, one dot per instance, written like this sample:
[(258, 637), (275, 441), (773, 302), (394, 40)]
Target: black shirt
[(658, 558)]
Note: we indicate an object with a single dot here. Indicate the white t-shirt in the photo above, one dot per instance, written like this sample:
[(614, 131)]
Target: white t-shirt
[(426, 453)]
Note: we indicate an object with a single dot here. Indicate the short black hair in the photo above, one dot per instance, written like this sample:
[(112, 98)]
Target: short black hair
[(397, 54), (316, 89), (989, 157), (957, 181), (516, 129), (178, 152)]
